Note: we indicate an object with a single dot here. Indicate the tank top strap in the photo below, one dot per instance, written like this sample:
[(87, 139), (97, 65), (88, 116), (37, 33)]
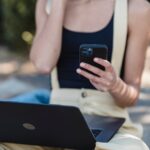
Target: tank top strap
[(119, 39), (120, 34), (54, 79)]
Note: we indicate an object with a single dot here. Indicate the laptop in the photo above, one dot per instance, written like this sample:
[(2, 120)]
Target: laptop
[(54, 126)]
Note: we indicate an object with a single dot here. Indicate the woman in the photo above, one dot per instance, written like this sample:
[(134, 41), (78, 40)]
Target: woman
[(59, 34)]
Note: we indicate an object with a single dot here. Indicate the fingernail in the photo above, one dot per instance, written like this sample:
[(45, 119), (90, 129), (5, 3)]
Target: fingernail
[(96, 59), (78, 70), (82, 64)]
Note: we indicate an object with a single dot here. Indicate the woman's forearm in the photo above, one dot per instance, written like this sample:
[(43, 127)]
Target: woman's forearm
[(125, 95), (47, 44)]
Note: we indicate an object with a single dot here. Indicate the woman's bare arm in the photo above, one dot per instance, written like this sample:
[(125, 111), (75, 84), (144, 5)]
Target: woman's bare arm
[(46, 46), (125, 92), (138, 41)]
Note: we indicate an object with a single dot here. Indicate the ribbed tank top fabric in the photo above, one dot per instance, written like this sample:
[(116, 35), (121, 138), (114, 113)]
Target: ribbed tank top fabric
[(69, 57)]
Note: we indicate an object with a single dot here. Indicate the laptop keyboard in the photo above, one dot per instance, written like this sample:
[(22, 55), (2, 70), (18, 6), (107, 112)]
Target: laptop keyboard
[(96, 132)]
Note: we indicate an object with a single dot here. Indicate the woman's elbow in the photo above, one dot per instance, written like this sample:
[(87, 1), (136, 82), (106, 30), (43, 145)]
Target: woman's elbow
[(43, 69), (40, 65)]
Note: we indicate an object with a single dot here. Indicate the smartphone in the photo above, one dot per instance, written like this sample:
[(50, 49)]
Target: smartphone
[(87, 52)]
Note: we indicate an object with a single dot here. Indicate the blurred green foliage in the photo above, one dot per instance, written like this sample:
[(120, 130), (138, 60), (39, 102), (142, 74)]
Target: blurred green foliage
[(1, 26), (18, 23)]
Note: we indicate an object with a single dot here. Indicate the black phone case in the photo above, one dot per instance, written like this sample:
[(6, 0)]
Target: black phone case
[(88, 52)]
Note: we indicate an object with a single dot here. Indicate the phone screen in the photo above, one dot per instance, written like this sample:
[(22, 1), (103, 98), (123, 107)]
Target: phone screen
[(88, 52)]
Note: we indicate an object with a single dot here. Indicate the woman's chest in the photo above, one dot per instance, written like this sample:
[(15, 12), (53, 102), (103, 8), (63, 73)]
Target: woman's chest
[(89, 17)]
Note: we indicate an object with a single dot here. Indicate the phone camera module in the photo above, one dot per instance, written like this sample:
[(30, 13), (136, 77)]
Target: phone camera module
[(87, 52)]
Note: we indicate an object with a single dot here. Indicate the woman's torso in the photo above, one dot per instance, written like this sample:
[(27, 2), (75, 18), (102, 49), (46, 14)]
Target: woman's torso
[(93, 26)]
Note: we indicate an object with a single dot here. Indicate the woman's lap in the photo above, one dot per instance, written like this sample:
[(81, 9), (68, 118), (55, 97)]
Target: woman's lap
[(119, 141), (12, 146)]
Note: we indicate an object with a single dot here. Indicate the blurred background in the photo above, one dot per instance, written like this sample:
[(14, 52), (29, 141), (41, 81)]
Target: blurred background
[(18, 75), (17, 29)]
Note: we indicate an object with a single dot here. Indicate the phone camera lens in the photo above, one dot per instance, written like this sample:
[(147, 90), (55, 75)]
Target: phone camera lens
[(87, 52)]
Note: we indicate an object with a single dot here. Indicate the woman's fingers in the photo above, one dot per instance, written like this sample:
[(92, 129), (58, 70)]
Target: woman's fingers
[(97, 71), (88, 75), (100, 79), (109, 70), (99, 87), (93, 78), (105, 63), (92, 69)]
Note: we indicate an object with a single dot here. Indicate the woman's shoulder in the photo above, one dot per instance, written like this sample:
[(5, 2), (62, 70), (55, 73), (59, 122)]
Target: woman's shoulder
[(139, 13), (139, 7)]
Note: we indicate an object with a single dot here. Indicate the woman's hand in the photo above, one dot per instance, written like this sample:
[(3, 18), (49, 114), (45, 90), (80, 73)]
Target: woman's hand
[(102, 80)]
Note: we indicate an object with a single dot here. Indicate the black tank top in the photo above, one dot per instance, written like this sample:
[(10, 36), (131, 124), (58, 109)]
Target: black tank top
[(69, 57)]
